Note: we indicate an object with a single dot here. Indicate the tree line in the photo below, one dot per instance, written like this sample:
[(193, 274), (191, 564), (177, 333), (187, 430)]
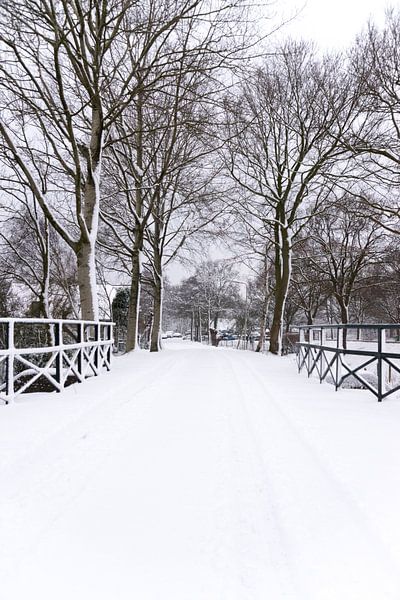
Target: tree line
[(132, 133)]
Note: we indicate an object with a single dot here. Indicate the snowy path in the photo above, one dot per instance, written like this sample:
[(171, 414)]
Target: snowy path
[(200, 474)]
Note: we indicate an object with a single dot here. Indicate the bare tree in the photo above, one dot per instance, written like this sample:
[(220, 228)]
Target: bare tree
[(159, 167), (375, 140), (10, 302), (25, 249), (349, 243), (161, 194), (211, 292), (64, 289), (379, 301), (68, 72), (310, 288), (284, 133)]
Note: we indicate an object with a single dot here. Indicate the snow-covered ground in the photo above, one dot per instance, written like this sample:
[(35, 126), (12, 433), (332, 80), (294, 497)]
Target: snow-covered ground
[(200, 474)]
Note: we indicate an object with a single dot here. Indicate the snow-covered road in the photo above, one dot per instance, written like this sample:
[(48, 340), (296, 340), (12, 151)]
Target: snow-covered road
[(200, 474)]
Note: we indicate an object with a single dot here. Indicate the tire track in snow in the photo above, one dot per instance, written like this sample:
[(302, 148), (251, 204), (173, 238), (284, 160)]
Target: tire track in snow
[(269, 544), (361, 562), (342, 491)]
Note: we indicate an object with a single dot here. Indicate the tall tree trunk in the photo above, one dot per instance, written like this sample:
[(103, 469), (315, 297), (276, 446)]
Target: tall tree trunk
[(265, 305), (216, 318), (134, 298), (282, 277), (200, 328), (155, 340), (209, 324), (263, 322), (87, 281), (86, 258), (263, 325), (44, 302), (134, 303), (87, 212), (45, 285), (344, 316)]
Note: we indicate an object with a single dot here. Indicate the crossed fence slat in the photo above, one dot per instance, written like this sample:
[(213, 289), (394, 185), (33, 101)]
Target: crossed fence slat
[(315, 355), (77, 349)]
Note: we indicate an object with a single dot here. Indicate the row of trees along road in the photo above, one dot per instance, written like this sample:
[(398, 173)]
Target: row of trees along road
[(130, 129), (120, 82), (346, 270), (304, 131)]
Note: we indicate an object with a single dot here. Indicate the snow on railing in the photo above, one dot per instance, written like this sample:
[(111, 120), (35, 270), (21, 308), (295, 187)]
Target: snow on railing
[(50, 354), (356, 355)]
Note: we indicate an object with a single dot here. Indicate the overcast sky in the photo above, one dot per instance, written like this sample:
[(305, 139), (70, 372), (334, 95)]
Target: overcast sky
[(332, 24)]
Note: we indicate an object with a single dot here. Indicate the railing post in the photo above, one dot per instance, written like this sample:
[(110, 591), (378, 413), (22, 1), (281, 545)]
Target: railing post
[(59, 357), (323, 361), (79, 358), (97, 349), (385, 366), (339, 345), (109, 349), (309, 356), (10, 362), (381, 371), (301, 349)]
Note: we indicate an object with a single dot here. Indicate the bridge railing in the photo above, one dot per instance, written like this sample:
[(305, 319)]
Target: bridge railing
[(358, 355), (50, 354)]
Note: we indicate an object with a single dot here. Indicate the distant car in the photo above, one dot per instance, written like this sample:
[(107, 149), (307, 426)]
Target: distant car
[(177, 334), (167, 334), (227, 335)]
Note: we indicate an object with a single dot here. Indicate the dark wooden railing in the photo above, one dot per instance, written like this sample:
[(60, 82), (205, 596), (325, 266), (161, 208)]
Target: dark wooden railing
[(368, 353), (49, 354)]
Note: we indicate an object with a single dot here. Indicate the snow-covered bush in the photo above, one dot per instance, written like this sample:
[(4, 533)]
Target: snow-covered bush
[(351, 382)]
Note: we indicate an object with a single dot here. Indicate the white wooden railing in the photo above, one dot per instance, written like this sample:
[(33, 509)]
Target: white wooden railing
[(49, 354)]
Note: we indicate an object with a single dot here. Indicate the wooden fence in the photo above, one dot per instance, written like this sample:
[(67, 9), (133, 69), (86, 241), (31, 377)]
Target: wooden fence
[(367, 354), (47, 355)]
